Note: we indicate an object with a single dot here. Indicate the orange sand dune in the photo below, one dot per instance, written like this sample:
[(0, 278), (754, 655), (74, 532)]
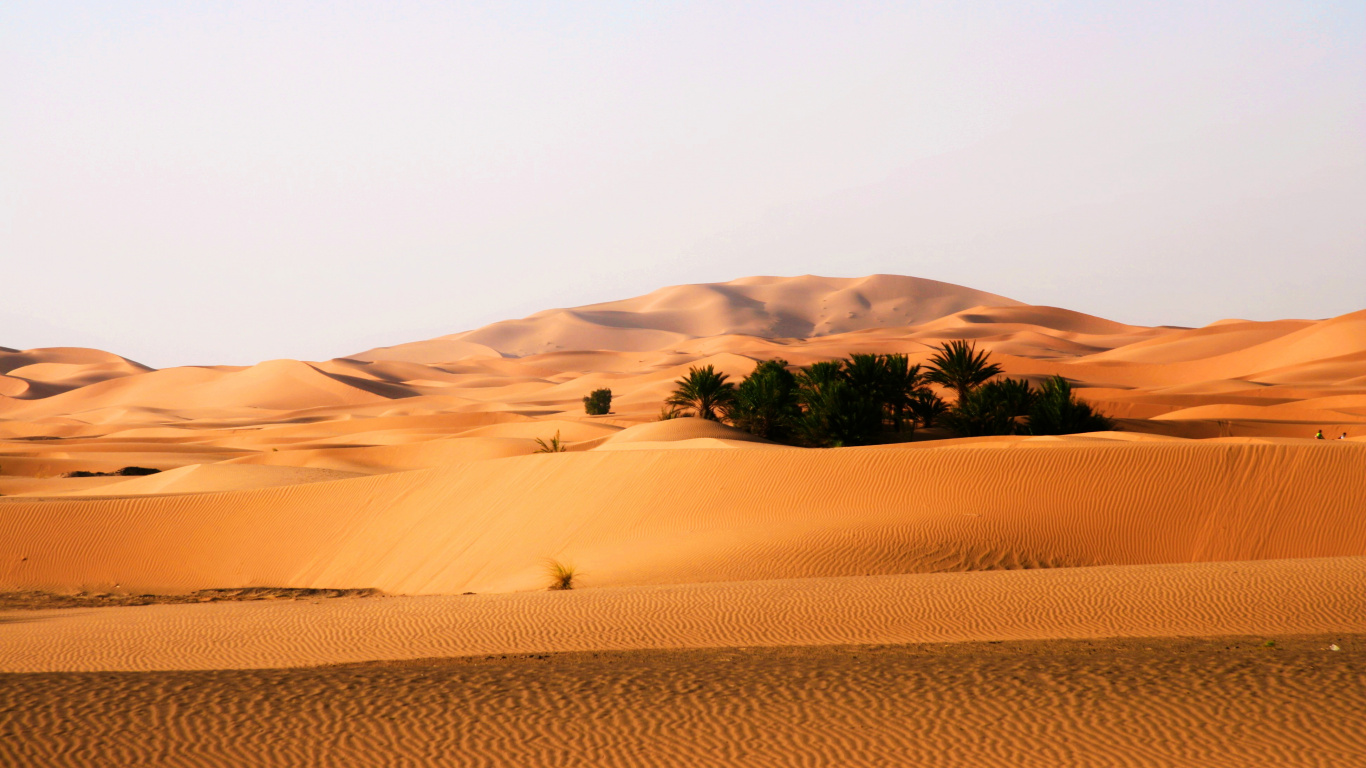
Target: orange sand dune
[(277, 385), (679, 516), (396, 458), (212, 478), (540, 367), (1184, 600)]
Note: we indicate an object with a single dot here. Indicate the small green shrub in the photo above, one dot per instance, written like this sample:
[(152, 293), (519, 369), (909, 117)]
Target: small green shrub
[(598, 403)]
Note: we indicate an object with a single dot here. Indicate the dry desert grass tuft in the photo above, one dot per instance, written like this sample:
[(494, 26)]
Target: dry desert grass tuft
[(561, 575)]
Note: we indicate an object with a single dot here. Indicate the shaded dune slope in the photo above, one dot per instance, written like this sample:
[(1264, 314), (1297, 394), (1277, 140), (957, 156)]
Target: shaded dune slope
[(675, 516)]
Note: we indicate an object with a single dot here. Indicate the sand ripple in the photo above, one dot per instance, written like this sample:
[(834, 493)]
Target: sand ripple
[(1149, 703), (1280, 596)]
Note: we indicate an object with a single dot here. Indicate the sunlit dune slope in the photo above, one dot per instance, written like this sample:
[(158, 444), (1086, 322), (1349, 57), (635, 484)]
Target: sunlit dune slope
[(674, 516), (784, 307), (390, 458), (1172, 600), (209, 478), (37, 373), (678, 430)]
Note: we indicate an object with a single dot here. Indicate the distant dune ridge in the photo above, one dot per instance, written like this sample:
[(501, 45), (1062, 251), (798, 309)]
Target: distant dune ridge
[(539, 366), (767, 307)]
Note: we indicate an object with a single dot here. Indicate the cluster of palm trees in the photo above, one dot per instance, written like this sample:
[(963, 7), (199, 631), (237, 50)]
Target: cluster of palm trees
[(867, 398)]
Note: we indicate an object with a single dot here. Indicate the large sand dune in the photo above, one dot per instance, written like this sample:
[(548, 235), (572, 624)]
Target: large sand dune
[(1275, 597), (674, 516), (772, 307)]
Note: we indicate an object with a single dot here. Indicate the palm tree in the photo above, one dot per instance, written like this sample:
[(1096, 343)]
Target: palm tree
[(766, 401), (867, 374), (890, 380), (1057, 411), (837, 414), (960, 367), (836, 410), (554, 446), (704, 392), (928, 407), (903, 384), (992, 409), (817, 375)]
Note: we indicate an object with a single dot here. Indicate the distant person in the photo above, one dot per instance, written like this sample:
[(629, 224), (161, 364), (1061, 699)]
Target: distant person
[(1342, 436), (1319, 436)]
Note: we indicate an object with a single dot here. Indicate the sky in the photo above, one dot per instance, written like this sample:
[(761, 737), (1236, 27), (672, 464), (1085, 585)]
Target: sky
[(225, 183)]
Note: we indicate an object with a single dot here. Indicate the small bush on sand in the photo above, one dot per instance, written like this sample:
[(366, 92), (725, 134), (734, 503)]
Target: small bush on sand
[(598, 403), (561, 575)]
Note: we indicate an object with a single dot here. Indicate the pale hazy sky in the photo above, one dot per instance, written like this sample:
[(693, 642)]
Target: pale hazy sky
[(201, 182)]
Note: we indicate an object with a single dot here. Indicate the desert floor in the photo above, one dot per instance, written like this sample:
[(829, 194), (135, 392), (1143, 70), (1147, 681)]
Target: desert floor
[(1115, 702)]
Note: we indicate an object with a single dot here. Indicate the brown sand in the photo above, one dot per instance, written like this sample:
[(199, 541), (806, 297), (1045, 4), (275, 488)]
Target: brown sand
[(1204, 599), (1149, 702)]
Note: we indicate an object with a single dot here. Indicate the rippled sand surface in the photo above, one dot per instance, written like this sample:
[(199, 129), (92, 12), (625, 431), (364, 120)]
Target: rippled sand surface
[(1139, 702)]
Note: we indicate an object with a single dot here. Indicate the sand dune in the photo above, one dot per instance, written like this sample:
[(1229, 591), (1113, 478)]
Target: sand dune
[(1275, 597), (758, 306), (678, 430), (396, 458), (214, 478), (277, 385), (680, 516)]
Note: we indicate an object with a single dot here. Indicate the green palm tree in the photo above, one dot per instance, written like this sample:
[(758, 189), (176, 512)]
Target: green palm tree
[(992, 409), (703, 392), (765, 403), (1057, 411), (927, 407), (903, 384), (835, 410), (960, 367)]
